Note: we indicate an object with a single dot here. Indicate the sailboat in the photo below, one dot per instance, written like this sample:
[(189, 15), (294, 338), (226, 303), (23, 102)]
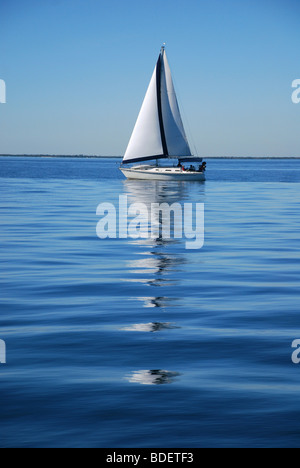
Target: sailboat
[(159, 134)]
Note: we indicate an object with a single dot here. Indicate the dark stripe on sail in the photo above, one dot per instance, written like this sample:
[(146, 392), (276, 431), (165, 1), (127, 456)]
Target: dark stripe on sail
[(145, 158), (159, 107)]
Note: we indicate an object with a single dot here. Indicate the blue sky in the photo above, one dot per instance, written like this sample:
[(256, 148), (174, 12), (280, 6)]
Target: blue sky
[(76, 72)]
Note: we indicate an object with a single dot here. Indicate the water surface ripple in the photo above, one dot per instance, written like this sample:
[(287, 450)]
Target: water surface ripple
[(142, 343)]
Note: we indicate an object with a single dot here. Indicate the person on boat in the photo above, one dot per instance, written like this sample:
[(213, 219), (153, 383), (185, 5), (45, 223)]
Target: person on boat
[(202, 168), (179, 164)]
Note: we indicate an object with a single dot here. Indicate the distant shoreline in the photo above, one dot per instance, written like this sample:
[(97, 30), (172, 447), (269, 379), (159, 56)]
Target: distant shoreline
[(80, 156)]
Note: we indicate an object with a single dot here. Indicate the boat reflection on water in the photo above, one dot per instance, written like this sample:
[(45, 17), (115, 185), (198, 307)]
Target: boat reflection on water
[(155, 266), (158, 264), (153, 191), (155, 263), (152, 377)]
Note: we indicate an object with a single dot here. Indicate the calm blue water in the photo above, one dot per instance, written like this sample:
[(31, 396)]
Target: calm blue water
[(140, 343)]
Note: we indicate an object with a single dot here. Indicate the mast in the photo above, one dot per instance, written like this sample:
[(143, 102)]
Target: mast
[(159, 67)]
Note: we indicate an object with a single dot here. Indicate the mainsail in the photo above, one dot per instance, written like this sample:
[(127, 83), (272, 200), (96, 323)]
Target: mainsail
[(159, 131)]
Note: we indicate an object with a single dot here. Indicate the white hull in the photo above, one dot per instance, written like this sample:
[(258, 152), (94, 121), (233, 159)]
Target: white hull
[(161, 173)]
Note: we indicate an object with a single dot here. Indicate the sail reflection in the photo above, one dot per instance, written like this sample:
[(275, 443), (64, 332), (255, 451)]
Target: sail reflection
[(162, 301), (152, 377), (155, 266), (150, 327)]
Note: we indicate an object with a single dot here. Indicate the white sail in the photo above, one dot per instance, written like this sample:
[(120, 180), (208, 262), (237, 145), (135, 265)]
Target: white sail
[(158, 132), (176, 139), (145, 142)]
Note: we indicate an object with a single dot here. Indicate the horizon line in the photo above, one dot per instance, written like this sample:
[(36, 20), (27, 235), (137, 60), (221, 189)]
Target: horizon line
[(120, 157)]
